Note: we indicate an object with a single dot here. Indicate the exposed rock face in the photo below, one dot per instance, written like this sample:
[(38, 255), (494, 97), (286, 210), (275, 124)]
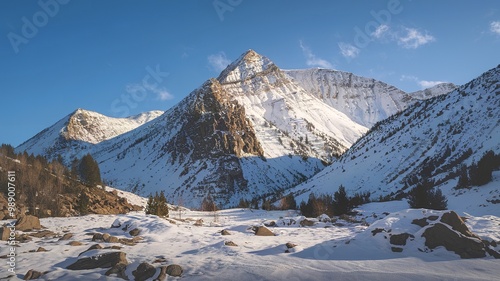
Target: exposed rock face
[(464, 246), (101, 261), (400, 239), (455, 221), (28, 222)]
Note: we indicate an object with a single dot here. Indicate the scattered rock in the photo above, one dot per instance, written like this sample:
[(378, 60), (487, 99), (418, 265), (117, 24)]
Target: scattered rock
[(199, 222), (27, 222), (270, 223), (4, 233), (105, 237), (377, 231), (466, 247), (113, 239), (43, 234), (144, 271), (174, 270), (160, 260), (116, 224), (93, 247), (23, 238), (263, 231), (225, 232), (306, 222), (420, 222), (396, 249), (119, 270), (66, 236), (41, 249), (32, 274), (100, 261), (230, 243), (290, 245), (75, 243), (128, 242), (400, 239), (134, 232), (163, 274), (97, 237)]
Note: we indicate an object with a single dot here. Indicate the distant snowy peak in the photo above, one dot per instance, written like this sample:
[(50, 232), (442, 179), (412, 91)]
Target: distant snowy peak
[(364, 100), (84, 127), (93, 127), (439, 89)]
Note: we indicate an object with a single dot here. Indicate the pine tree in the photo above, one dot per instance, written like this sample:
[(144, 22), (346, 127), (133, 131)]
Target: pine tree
[(463, 178), (341, 204), (89, 171), (83, 204)]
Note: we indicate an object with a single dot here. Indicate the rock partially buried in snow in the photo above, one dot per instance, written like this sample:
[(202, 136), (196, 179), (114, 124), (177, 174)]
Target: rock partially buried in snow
[(174, 270), (4, 233), (441, 235), (400, 239), (119, 270), (134, 232), (32, 274), (225, 232), (28, 222), (144, 271), (66, 236), (100, 261), (230, 243), (455, 221), (263, 231)]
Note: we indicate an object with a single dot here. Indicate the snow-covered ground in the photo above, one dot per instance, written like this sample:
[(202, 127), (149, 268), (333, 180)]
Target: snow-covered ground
[(337, 250)]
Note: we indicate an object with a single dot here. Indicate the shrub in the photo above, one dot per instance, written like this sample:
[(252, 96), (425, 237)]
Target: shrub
[(424, 195)]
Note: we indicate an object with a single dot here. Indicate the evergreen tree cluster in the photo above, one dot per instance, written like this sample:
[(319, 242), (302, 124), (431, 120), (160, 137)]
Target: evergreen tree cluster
[(424, 195), (479, 173), (157, 205), (337, 205)]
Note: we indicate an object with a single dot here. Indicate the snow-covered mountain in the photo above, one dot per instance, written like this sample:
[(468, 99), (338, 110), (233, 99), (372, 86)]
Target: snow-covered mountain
[(364, 100), (253, 131), (81, 129), (430, 139)]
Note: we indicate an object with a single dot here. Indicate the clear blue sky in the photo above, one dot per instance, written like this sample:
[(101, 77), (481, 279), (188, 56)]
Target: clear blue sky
[(96, 54)]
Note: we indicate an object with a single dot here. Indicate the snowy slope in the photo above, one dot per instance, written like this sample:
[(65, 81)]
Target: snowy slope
[(364, 100), (82, 128), (434, 136)]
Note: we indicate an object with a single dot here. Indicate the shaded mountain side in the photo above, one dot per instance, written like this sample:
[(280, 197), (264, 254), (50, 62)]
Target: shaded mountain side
[(431, 140)]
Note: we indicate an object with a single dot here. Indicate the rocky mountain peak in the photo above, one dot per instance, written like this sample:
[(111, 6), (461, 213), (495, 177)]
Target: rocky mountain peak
[(249, 65)]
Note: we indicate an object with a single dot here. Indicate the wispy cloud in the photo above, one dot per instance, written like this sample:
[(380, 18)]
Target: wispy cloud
[(218, 62), (381, 31), (348, 50), (145, 88), (311, 59), (424, 84), (495, 27), (413, 38)]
